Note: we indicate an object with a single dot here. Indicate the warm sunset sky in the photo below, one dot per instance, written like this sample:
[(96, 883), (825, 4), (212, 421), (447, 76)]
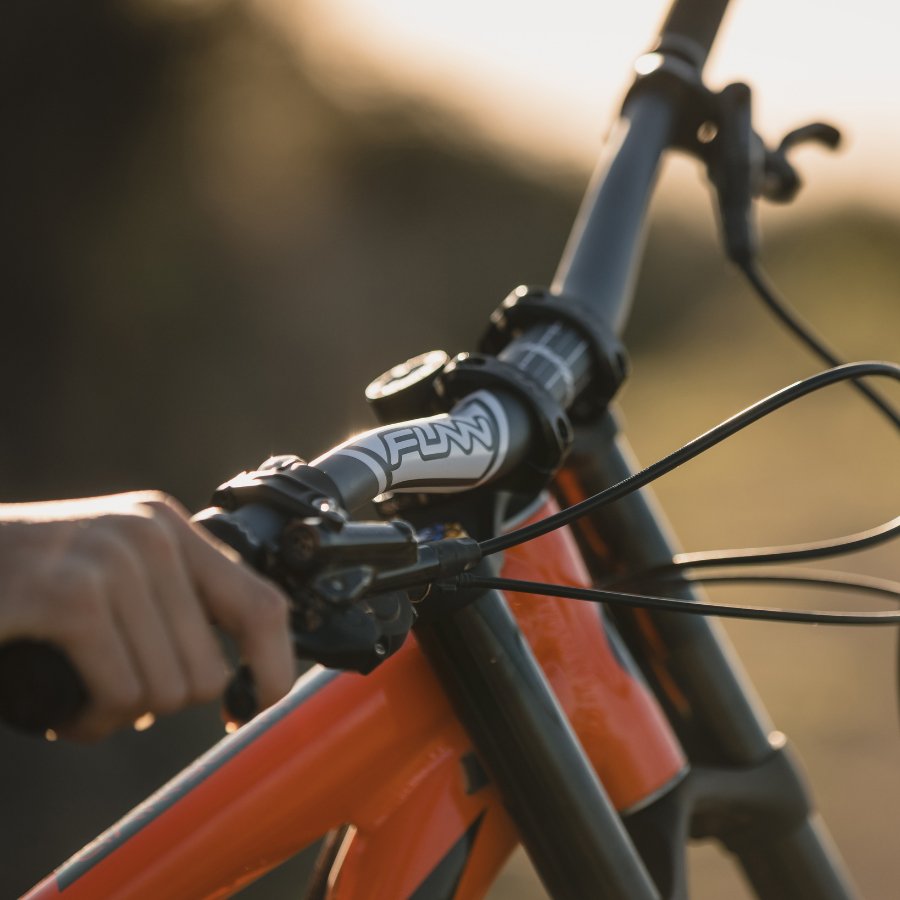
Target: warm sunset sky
[(549, 73)]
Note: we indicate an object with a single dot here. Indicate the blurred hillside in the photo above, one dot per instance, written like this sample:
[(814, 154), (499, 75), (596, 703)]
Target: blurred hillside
[(182, 203), (206, 257)]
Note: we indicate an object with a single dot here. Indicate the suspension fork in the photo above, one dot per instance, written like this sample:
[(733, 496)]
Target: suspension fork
[(746, 788)]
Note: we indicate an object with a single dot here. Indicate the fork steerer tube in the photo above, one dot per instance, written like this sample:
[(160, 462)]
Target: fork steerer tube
[(565, 820)]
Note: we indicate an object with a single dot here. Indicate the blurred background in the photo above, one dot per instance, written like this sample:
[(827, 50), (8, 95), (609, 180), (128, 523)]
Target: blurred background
[(220, 219)]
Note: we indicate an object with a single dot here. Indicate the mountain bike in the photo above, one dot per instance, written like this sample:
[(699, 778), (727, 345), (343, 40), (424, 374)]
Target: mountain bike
[(566, 695)]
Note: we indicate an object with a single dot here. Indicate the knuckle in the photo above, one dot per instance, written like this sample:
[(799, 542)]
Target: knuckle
[(79, 578), (162, 504), (80, 602), (209, 684), (106, 547), (152, 539), (149, 497)]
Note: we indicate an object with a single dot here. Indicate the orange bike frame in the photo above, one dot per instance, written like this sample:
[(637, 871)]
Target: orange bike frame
[(385, 754)]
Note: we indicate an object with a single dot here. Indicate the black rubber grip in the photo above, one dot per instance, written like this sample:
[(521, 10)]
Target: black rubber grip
[(39, 688)]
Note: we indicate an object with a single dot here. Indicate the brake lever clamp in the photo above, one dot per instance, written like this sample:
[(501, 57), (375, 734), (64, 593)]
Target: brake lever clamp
[(284, 521), (717, 128), (251, 510)]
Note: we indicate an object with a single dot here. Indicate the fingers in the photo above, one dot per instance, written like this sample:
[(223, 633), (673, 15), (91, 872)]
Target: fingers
[(105, 661), (190, 667), (247, 606), (73, 613), (128, 588), (250, 608)]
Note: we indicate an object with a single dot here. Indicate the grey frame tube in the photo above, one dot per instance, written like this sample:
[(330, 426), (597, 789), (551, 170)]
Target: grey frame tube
[(567, 823), (600, 262), (692, 25)]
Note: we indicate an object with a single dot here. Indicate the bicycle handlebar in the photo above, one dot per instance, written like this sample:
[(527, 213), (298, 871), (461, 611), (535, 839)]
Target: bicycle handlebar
[(692, 26), (488, 434)]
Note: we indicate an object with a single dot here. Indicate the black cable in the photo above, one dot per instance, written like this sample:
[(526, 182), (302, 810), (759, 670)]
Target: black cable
[(804, 331), (850, 543), (864, 584), (671, 604), (690, 450)]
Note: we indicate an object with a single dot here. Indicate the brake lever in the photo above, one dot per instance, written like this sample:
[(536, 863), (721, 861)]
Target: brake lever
[(742, 168), (781, 181), (348, 581)]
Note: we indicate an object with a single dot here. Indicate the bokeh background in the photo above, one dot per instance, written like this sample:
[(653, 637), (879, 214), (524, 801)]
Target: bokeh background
[(220, 219)]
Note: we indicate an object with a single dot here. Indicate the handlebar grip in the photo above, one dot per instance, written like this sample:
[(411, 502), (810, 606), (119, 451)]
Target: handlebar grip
[(40, 689)]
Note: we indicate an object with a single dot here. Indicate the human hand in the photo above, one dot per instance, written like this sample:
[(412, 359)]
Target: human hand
[(128, 589)]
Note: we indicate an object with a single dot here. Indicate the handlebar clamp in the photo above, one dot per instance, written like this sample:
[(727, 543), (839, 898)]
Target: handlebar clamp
[(528, 306), (551, 429)]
